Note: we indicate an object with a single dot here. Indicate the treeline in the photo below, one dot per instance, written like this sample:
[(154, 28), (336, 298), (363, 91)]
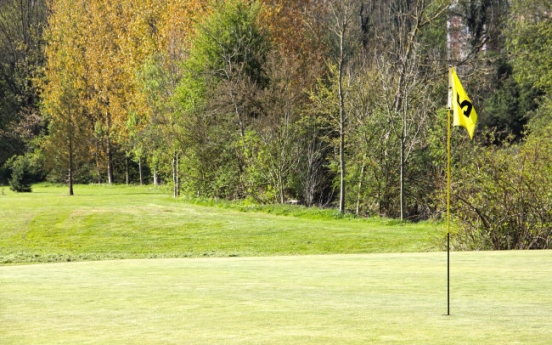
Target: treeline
[(329, 103)]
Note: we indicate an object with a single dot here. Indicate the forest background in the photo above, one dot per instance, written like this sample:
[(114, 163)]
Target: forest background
[(331, 103)]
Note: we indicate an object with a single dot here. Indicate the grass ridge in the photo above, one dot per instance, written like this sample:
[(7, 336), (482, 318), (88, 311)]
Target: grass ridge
[(118, 222)]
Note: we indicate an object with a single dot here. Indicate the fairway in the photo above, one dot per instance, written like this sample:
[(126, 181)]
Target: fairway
[(121, 222), (497, 298)]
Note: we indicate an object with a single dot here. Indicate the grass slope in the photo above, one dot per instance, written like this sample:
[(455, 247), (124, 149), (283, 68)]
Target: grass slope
[(497, 298), (103, 222)]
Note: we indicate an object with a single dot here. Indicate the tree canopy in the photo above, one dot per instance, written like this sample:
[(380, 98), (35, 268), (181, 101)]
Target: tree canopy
[(329, 103)]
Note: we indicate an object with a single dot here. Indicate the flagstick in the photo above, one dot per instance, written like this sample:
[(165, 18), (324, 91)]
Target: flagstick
[(458, 95), (448, 210)]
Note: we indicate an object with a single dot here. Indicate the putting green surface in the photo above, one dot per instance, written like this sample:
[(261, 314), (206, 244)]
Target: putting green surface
[(496, 298)]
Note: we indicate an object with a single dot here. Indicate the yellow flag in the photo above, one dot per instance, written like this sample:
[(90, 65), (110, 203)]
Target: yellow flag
[(463, 111)]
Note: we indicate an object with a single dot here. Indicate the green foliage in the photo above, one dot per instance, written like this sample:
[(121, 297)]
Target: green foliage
[(210, 165), (502, 198), (217, 100), (157, 79), (260, 187), (21, 58), (299, 211), (25, 170), (244, 95), (4, 175), (510, 107), (231, 43), (530, 43), (540, 125)]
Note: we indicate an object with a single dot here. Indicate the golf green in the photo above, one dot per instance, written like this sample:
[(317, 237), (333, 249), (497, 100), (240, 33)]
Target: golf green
[(496, 298)]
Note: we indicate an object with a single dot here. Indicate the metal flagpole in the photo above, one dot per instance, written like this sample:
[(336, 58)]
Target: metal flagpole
[(448, 189)]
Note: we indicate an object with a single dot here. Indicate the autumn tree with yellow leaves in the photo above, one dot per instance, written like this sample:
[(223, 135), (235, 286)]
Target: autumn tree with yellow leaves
[(95, 51)]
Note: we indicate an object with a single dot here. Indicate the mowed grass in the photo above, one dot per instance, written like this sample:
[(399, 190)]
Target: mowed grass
[(496, 298), (119, 222), (254, 277)]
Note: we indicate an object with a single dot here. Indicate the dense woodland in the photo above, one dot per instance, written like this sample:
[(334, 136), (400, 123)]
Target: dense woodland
[(331, 103)]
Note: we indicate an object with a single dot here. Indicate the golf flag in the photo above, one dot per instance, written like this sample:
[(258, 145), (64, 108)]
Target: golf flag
[(462, 108)]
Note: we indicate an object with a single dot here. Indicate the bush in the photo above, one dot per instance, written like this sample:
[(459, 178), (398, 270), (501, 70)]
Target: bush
[(24, 171), (503, 199), (4, 175)]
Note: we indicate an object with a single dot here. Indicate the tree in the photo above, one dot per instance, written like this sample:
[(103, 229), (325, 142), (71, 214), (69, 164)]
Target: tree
[(21, 25), (369, 146), (121, 37), (108, 79), (63, 87), (406, 73), (529, 41), (274, 149), (223, 75), (158, 79), (342, 15), (231, 47), (504, 202), (166, 28), (509, 109)]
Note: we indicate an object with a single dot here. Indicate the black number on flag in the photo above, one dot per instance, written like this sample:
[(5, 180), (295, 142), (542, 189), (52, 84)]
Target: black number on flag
[(465, 103)]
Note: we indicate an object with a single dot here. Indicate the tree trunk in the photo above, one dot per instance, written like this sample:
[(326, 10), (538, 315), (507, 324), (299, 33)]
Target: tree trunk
[(402, 178), (127, 173), (109, 148), (281, 187), (177, 175), (341, 126), (70, 172), (361, 177), (237, 111), (140, 170), (402, 137), (109, 162), (176, 180), (155, 176), (98, 170)]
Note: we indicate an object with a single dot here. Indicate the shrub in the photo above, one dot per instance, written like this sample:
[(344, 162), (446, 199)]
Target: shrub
[(503, 199), (20, 180), (24, 171)]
